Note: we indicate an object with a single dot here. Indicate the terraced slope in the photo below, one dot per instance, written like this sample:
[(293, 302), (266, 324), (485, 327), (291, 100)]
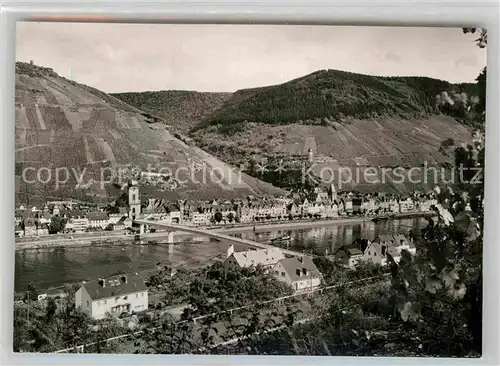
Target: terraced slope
[(65, 125)]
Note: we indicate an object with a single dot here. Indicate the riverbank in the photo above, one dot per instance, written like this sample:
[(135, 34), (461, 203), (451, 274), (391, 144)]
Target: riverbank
[(116, 238)]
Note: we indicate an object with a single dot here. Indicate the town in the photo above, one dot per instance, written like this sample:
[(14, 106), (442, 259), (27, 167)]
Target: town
[(127, 294), (76, 217)]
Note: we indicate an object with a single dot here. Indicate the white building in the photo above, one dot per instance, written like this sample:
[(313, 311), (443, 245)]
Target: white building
[(266, 258), (98, 219), (298, 272), (406, 205), (201, 219), (114, 295)]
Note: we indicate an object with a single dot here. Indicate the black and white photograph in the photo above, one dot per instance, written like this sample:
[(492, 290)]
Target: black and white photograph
[(249, 189)]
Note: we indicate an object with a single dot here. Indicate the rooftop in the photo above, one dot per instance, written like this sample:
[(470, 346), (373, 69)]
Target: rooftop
[(264, 257), (295, 264), (115, 286)]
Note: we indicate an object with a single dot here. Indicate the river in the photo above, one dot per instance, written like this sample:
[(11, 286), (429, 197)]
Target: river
[(53, 267)]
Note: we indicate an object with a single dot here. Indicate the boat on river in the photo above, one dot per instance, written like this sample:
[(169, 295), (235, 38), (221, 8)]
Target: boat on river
[(280, 239), (383, 218)]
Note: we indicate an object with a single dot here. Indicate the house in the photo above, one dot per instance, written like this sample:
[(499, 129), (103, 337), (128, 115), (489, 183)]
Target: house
[(30, 225), (98, 219), (298, 272), (330, 209), (174, 215), (294, 210), (266, 258), (117, 216), (369, 205), (406, 205), (350, 255), (114, 295), (201, 218), (19, 232), (376, 253), (393, 205), (377, 250), (357, 203), (425, 204), (348, 205), (77, 220), (124, 223)]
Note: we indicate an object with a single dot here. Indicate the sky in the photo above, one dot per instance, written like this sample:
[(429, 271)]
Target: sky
[(224, 58)]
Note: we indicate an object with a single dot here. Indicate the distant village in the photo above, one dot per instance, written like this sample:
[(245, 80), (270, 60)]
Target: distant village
[(78, 217)]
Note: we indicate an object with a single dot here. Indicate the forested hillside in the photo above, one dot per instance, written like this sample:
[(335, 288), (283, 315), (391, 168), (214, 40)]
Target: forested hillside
[(332, 95), (181, 109)]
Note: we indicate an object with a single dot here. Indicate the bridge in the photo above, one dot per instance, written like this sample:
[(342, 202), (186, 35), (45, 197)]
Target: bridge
[(211, 234)]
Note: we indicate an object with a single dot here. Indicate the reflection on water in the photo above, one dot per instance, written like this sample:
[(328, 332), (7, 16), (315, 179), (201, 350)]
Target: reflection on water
[(56, 266), (326, 239)]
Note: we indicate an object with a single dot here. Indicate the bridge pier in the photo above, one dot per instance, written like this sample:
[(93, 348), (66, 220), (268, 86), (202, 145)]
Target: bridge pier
[(170, 237), (141, 229)]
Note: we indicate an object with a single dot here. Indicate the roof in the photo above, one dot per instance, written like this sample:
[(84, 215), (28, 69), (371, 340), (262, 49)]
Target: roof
[(97, 215), (173, 207), (356, 248), (385, 238), (391, 250), (395, 239), (155, 205), (115, 286), (354, 251), (291, 265), (74, 213), (122, 220), (263, 257)]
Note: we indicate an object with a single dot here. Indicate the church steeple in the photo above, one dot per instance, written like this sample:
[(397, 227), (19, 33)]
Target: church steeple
[(134, 200), (332, 192)]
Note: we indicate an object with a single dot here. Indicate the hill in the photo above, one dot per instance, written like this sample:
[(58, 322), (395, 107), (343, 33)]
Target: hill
[(346, 119), (181, 110), (63, 126), (332, 95)]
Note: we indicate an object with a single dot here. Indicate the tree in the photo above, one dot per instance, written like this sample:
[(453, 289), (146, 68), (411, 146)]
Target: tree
[(31, 293), (51, 309), (218, 216), (57, 224)]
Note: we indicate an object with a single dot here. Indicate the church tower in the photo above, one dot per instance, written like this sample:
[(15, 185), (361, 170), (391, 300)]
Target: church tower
[(333, 193), (134, 201)]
